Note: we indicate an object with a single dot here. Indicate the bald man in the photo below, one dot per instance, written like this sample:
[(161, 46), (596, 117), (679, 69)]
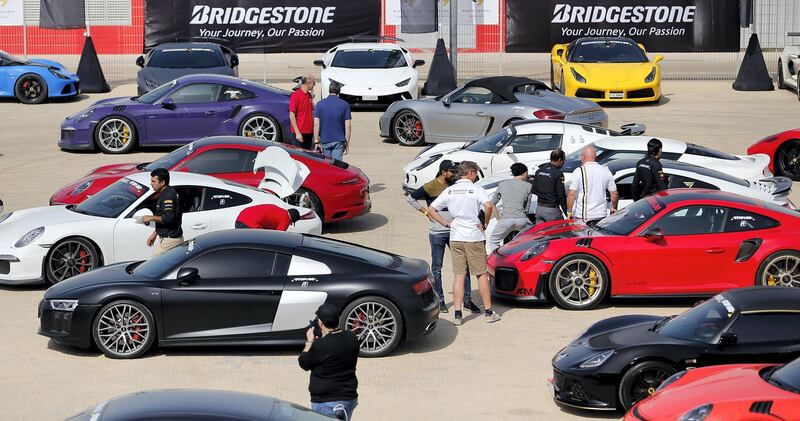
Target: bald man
[(301, 113), (587, 190)]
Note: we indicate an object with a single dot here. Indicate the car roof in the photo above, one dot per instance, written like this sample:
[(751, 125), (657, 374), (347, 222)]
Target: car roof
[(281, 239), (588, 127), (763, 298), (216, 78), (623, 164), (180, 178), (684, 195), (588, 39), (504, 86), (639, 143), (368, 45), (168, 45), (161, 403), (236, 140)]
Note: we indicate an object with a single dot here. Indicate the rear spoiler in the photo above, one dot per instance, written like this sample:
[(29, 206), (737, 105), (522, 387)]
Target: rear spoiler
[(776, 186), (632, 129)]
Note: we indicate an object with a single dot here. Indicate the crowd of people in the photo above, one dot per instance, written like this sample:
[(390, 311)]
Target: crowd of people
[(324, 126)]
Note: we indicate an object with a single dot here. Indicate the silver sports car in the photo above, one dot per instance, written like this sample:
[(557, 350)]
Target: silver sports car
[(481, 107)]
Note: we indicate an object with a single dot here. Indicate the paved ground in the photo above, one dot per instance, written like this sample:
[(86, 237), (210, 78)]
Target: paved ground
[(477, 371)]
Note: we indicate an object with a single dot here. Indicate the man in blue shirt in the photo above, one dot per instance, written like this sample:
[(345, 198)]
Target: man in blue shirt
[(332, 124)]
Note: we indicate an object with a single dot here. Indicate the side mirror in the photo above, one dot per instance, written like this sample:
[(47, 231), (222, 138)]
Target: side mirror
[(234, 60), (658, 58), (419, 63), (560, 52), (446, 101), (319, 63), (727, 339), (168, 104), (653, 234), (138, 215), (140, 61), (187, 275), (509, 149)]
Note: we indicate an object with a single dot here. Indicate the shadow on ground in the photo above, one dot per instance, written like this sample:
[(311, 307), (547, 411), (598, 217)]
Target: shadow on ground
[(363, 223)]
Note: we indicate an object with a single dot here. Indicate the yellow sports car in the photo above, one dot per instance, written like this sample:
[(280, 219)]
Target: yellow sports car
[(605, 70)]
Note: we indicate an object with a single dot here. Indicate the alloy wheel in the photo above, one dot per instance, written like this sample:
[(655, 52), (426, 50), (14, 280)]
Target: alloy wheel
[(646, 383), (114, 134), (408, 129), (69, 259), (789, 160), (579, 282), (373, 324), (783, 271), (31, 88), (123, 330), (260, 127)]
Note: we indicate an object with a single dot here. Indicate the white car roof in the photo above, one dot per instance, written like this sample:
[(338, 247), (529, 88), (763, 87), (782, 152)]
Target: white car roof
[(639, 143), (540, 127), (368, 45)]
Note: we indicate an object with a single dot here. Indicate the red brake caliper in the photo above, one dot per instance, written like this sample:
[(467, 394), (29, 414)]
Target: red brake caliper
[(418, 129), (82, 255), (362, 318), (136, 336)]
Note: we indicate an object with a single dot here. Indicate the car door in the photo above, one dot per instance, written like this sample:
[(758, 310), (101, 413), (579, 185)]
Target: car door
[(557, 60), (187, 114), (530, 149), (758, 340), (228, 163), (687, 259), (234, 296), (464, 115), (308, 280), (224, 206)]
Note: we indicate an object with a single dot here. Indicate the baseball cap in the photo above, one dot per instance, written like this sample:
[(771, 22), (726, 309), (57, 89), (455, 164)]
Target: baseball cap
[(448, 165)]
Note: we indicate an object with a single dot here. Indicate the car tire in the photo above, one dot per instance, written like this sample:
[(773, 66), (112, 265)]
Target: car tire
[(115, 135), (362, 317), (786, 153), (30, 88), (565, 281), (314, 203), (114, 334), (70, 257), (260, 126), (407, 129), (641, 381), (775, 270), (781, 85)]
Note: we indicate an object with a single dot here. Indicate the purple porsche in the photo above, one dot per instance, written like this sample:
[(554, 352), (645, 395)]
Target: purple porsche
[(180, 112)]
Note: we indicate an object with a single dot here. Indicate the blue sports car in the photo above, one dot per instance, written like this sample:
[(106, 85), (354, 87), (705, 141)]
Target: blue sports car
[(35, 80), (180, 112)]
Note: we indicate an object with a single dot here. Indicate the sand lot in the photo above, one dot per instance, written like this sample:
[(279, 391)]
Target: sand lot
[(477, 371)]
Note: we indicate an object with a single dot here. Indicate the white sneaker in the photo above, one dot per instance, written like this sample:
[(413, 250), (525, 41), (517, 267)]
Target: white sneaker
[(491, 318)]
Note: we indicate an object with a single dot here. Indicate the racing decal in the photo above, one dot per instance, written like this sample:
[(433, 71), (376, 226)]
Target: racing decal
[(688, 184), (727, 304)]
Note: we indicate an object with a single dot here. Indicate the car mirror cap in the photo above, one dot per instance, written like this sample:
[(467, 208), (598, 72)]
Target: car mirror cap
[(419, 63), (168, 104), (727, 339), (653, 234), (188, 274), (319, 63), (140, 61)]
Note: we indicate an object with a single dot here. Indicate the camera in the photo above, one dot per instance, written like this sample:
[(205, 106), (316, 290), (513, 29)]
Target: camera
[(315, 325)]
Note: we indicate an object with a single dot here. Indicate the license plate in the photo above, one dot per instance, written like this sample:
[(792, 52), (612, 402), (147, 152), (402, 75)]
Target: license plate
[(616, 95), (369, 97)]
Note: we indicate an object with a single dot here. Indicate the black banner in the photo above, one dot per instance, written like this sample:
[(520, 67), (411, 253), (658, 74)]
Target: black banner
[(659, 25), (62, 14), (253, 26)]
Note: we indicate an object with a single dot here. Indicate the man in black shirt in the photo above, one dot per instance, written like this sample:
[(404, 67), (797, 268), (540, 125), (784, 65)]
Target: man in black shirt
[(167, 215), (649, 176), (332, 360), (548, 186)]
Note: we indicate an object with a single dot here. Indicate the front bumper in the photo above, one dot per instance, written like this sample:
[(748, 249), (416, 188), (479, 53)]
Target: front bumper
[(591, 391), (510, 282), (385, 124), (640, 93), (77, 135), (71, 328), (22, 266), (63, 88)]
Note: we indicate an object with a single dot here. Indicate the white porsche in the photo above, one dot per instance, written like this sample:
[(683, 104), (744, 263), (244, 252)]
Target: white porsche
[(789, 66), (371, 73), (54, 243)]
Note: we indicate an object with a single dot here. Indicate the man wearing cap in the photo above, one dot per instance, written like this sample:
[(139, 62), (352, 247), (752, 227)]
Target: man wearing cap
[(332, 124), (515, 194), (438, 234)]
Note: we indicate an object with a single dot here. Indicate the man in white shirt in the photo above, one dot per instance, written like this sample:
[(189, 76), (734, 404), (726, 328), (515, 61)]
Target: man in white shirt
[(467, 241), (587, 191)]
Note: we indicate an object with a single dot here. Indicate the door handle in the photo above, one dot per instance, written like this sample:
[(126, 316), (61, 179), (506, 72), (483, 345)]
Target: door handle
[(210, 112), (200, 226), (716, 250)]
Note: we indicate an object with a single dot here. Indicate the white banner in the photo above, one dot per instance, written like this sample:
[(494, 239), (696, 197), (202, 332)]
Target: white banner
[(480, 12), (12, 12)]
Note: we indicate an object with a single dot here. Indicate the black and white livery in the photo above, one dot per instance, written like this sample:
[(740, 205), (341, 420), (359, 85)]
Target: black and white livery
[(243, 287)]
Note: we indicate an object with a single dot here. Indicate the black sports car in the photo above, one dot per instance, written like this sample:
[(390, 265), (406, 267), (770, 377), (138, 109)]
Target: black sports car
[(194, 405), (622, 360), (243, 287)]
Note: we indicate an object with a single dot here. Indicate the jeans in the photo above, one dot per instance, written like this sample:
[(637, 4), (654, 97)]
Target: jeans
[(438, 243), (547, 214), (333, 150), (336, 409)]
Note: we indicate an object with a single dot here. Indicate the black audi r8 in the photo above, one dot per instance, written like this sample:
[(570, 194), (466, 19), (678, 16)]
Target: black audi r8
[(243, 287), (622, 360), (194, 405)]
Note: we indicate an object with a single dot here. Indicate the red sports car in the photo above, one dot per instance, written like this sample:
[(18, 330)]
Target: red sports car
[(676, 242), (784, 152), (741, 392), (336, 190)]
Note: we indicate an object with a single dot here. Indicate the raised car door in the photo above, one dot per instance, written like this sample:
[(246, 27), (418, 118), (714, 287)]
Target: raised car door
[(757, 340), (461, 116), (530, 149), (557, 58), (191, 112), (233, 297)]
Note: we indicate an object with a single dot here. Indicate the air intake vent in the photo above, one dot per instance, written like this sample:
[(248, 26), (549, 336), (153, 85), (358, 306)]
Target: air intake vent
[(763, 407), (584, 242), (119, 108)]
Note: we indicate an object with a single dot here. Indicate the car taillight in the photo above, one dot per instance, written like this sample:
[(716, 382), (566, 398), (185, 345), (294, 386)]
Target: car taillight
[(422, 286), (549, 115), (308, 216)]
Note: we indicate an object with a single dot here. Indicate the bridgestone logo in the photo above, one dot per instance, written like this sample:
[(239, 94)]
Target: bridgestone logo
[(207, 15), (565, 13)]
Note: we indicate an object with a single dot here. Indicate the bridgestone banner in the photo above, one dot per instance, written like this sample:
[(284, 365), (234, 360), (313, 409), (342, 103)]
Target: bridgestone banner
[(659, 25), (252, 26)]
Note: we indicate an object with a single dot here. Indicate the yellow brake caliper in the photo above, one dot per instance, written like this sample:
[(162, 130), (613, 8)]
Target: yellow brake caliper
[(771, 280), (592, 282), (125, 135)]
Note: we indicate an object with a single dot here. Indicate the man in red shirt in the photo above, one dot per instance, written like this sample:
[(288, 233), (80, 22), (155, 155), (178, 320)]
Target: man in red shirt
[(268, 217), (301, 109)]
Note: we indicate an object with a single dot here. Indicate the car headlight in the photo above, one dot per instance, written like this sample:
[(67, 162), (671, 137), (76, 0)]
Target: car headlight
[(4, 217), (577, 75), (84, 114), (535, 250), (63, 305), (650, 76), (671, 379), (30, 237), (150, 83), (429, 161), (58, 75), (82, 188), (698, 414), (597, 360), (403, 83)]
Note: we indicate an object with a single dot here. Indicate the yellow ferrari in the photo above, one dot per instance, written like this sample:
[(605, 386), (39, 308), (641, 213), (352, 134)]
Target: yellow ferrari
[(605, 70)]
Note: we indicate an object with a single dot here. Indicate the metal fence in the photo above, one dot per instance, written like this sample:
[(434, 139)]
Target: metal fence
[(117, 29)]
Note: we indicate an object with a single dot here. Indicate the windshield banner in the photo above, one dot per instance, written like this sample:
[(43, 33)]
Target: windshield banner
[(659, 25), (255, 26)]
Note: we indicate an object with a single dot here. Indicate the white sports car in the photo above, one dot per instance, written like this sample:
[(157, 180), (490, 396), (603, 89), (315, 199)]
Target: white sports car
[(54, 243), (371, 73), (529, 142), (789, 66)]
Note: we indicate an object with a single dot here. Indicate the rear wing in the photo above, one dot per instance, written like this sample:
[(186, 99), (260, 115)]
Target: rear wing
[(632, 129)]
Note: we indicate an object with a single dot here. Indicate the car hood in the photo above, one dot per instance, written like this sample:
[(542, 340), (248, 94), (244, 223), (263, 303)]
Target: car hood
[(48, 63), (369, 77), (22, 221), (611, 74), (556, 230), (161, 75), (440, 148), (557, 102), (100, 178), (104, 275), (456, 155)]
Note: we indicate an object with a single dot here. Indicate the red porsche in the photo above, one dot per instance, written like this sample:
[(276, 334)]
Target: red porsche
[(677, 242), (741, 392), (336, 190), (784, 152)]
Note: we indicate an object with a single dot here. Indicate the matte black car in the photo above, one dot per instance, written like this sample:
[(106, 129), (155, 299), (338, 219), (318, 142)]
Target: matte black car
[(622, 360), (172, 60), (243, 287), (196, 405)]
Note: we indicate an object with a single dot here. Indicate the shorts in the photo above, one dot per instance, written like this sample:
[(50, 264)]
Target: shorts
[(162, 245), (468, 255)]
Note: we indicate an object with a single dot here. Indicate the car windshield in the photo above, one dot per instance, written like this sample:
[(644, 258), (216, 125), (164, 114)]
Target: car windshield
[(156, 93), (8, 57), (701, 323), (607, 51), (369, 59), (171, 159), (788, 376), (186, 58), (491, 143), (112, 200), (160, 265), (631, 217)]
